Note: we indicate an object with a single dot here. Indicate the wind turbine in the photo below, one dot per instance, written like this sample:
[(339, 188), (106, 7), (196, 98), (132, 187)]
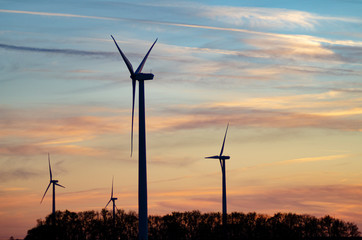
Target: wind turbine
[(222, 164), (54, 182), (142, 166), (113, 199)]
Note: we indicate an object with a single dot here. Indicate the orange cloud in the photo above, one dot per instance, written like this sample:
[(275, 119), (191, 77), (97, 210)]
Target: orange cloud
[(34, 133), (201, 117), (296, 161), (35, 149), (330, 109)]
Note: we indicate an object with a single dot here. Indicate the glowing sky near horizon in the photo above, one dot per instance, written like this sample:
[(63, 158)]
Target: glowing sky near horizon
[(285, 74)]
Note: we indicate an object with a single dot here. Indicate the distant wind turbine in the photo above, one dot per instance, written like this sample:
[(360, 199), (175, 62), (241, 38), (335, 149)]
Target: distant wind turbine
[(222, 164), (113, 199), (142, 166), (54, 182)]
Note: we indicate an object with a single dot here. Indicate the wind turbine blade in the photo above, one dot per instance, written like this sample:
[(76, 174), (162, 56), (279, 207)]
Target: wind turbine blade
[(221, 163), (133, 98), (125, 59), (108, 203), (45, 192), (112, 188), (223, 143), (59, 185), (50, 169), (140, 67)]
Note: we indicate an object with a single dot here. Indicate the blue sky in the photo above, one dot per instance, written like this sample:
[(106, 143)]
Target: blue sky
[(285, 74)]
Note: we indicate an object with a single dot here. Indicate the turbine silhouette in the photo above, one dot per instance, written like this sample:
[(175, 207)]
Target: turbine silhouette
[(222, 164), (142, 166), (113, 199), (55, 183)]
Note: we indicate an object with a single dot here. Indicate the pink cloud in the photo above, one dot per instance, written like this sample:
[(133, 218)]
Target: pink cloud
[(204, 116)]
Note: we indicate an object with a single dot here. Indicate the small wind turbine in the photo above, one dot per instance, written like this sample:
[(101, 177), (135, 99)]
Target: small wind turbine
[(113, 199), (54, 182), (142, 166), (222, 164)]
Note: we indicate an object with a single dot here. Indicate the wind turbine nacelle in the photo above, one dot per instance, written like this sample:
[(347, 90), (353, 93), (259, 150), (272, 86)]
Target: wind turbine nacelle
[(225, 157), (144, 76)]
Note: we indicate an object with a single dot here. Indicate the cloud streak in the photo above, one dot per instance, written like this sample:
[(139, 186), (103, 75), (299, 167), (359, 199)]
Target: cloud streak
[(205, 116), (48, 14), (276, 18), (297, 161), (261, 17), (61, 51), (28, 133), (7, 175)]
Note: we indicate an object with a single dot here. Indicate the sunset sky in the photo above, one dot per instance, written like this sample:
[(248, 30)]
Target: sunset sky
[(286, 75)]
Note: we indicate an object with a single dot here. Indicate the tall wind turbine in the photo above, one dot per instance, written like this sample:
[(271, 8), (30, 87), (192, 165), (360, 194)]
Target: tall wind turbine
[(54, 182), (113, 199), (222, 164), (142, 167)]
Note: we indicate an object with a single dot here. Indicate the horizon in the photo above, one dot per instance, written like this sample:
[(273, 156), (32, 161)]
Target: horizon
[(285, 75)]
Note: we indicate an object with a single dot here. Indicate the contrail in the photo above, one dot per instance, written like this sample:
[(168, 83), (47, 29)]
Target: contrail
[(55, 50)]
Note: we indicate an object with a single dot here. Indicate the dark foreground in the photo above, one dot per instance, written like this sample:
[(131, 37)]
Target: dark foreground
[(91, 225)]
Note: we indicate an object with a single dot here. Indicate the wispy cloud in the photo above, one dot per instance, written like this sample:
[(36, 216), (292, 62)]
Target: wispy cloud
[(70, 127), (298, 161), (266, 18), (7, 175), (61, 51), (32, 134), (190, 117), (313, 159), (261, 17), (334, 102), (35, 149), (49, 14)]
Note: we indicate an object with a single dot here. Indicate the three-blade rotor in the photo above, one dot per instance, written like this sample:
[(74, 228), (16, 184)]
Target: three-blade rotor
[(138, 75), (55, 182)]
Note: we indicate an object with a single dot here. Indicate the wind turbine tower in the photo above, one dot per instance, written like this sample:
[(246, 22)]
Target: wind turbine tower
[(222, 164), (142, 166), (55, 183)]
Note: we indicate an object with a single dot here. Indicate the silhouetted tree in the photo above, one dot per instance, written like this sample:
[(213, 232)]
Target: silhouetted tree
[(191, 225)]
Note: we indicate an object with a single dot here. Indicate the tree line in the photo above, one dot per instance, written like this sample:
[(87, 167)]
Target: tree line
[(93, 225)]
